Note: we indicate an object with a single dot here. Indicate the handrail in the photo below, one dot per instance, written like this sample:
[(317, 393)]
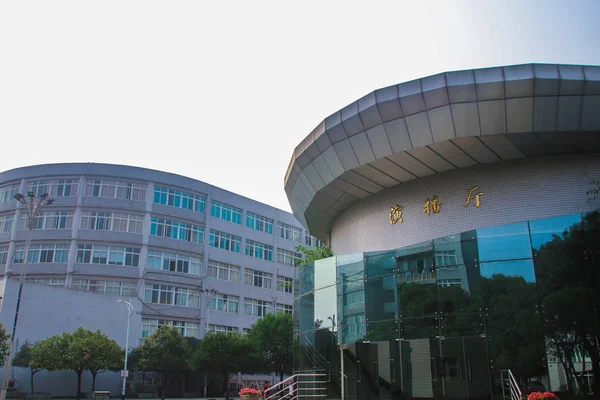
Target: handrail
[(311, 351), (314, 356), (513, 386), (283, 387)]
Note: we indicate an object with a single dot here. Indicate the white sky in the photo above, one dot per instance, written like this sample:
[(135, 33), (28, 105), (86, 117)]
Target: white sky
[(222, 91)]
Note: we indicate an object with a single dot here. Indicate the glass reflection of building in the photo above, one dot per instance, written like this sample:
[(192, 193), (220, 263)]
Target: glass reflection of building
[(440, 319)]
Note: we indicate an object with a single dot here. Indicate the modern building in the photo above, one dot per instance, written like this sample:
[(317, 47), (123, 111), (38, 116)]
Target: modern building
[(186, 253), (462, 209)]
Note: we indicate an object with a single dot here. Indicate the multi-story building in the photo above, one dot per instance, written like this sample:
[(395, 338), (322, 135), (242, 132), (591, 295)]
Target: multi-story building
[(195, 256), (462, 210)]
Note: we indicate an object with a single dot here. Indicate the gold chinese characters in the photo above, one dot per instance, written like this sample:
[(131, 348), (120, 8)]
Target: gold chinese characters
[(472, 195), (432, 206), (396, 214)]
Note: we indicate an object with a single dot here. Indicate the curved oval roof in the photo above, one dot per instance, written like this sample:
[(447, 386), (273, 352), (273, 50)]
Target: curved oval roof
[(440, 123)]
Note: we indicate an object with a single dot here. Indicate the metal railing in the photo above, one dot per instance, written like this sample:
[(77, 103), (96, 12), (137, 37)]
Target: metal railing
[(510, 387), (299, 386)]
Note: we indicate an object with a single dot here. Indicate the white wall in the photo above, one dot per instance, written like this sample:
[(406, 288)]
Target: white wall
[(49, 310), (513, 191)]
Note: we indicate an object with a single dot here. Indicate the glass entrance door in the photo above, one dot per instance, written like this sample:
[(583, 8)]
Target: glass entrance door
[(464, 368), (361, 370), (453, 364)]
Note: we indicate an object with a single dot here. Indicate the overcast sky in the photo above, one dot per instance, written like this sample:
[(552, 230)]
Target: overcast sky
[(222, 91)]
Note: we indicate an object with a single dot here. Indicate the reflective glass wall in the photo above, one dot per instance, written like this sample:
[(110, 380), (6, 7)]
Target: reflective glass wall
[(441, 319)]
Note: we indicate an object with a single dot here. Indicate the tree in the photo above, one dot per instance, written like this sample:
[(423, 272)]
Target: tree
[(104, 355), (513, 326), (47, 354), (568, 278), (165, 351), (311, 255), (78, 351), (272, 337), (4, 344), (23, 359), (134, 367), (76, 354), (83, 351), (223, 353)]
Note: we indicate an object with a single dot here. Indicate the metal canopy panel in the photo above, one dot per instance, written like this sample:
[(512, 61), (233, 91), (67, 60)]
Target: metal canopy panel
[(379, 141), (397, 134), (439, 123)]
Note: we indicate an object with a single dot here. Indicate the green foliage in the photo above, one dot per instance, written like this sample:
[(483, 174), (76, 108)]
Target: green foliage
[(23, 356), (78, 351), (224, 354), (513, 326), (104, 355), (133, 361), (272, 338), (311, 255), (23, 359), (134, 367), (48, 353), (4, 344), (568, 281), (165, 351)]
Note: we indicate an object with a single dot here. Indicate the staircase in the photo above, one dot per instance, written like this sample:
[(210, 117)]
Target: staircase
[(510, 388), (361, 381), (314, 358), (316, 363), (299, 386)]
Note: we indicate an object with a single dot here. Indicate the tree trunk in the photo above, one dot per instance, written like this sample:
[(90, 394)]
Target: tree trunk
[(281, 375), (561, 351), (568, 376), (573, 373), (226, 385), (595, 361), (163, 384), (31, 380), (94, 381), (78, 397), (584, 381), (572, 370), (144, 382), (595, 367)]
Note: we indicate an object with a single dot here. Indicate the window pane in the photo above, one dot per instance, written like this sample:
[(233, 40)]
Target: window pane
[(506, 242)]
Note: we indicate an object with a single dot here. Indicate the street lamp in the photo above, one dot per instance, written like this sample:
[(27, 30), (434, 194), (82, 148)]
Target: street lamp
[(208, 295), (32, 205), (130, 309)]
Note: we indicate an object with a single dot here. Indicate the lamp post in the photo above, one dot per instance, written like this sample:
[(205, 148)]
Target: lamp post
[(130, 309), (208, 295), (32, 205)]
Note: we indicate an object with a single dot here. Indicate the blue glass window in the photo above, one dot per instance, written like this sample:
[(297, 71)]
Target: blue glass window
[(544, 230), (226, 212), (175, 198), (506, 242), (513, 268)]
